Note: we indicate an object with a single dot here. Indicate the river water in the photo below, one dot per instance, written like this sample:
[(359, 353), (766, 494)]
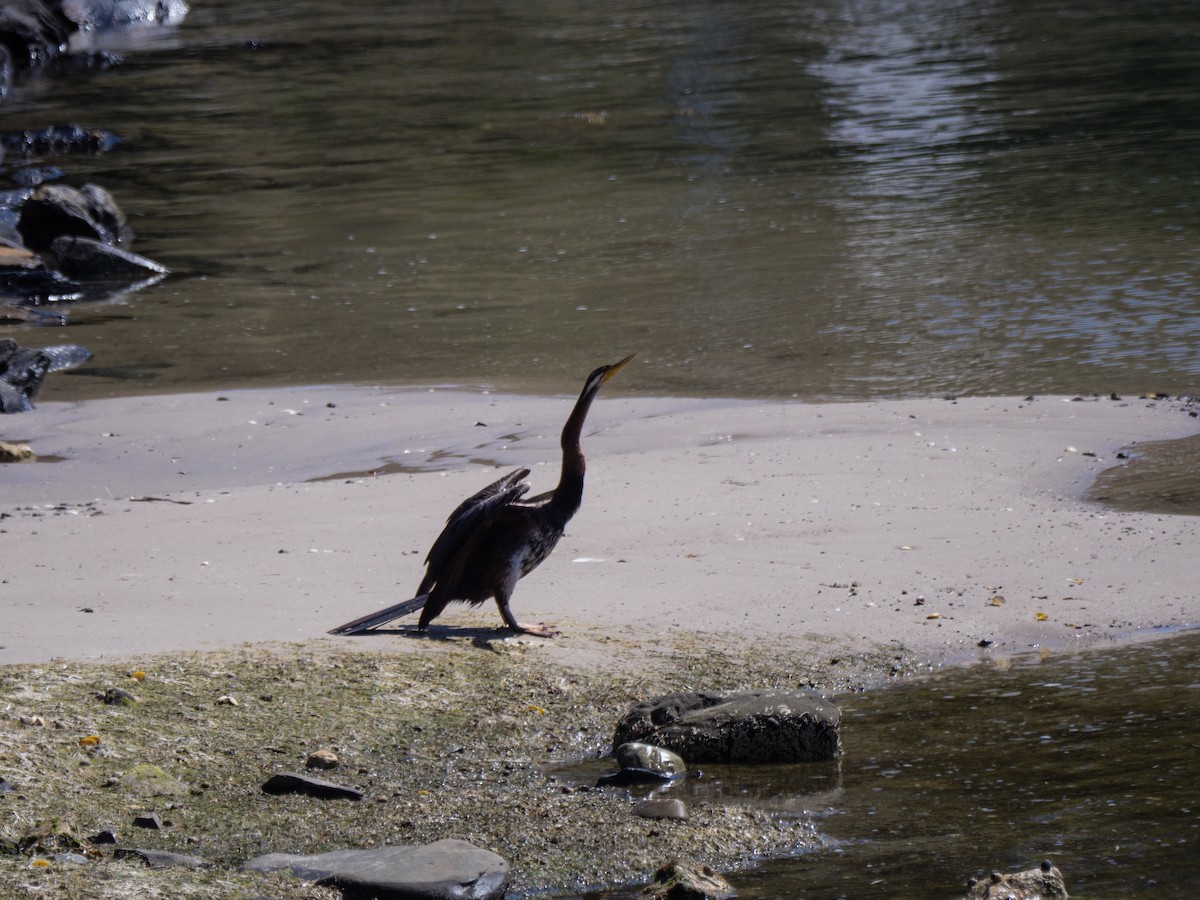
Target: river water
[(1086, 759), (834, 199), (829, 200)]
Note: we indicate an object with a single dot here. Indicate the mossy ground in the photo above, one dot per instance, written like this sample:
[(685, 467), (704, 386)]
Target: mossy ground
[(454, 740)]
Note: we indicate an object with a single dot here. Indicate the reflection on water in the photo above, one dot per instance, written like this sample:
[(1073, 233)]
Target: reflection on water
[(821, 199), (1086, 759)]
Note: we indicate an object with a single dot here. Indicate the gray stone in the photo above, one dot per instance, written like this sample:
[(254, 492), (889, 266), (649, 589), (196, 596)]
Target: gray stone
[(446, 870), (745, 727), (1042, 883), (634, 755), (162, 859), (662, 809)]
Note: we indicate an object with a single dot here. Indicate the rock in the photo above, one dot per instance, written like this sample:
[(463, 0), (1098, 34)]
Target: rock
[(58, 140), (33, 31), (290, 783), (746, 727), (23, 369), (104, 836), (634, 755), (662, 809), (6, 786), (59, 209), (119, 697), (149, 820), (445, 870), (678, 880), (86, 259), (148, 780), (643, 764), (322, 759), (10, 452), (1042, 883), (162, 859), (104, 15)]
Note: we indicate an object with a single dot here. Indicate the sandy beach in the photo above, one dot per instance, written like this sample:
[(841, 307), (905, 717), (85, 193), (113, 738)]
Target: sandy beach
[(216, 519)]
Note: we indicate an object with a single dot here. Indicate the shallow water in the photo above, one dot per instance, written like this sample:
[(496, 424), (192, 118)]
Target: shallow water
[(823, 199), (1087, 759)]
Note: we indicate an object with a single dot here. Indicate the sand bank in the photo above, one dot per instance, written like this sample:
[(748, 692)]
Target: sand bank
[(194, 522)]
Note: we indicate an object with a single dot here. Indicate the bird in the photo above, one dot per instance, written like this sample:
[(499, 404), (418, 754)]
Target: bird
[(22, 370), (494, 538)]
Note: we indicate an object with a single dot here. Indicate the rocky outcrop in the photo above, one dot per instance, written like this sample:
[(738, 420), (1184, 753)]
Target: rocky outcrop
[(445, 870), (746, 727)]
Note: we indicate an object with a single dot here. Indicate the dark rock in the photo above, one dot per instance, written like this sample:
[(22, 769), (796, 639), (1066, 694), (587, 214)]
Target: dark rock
[(446, 870), (162, 859), (58, 140), (149, 820), (1042, 883), (662, 809), (23, 369), (291, 783), (33, 31), (103, 836), (747, 727), (91, 260), (627, 777), (678, 880), (53, 210), (6, 786)]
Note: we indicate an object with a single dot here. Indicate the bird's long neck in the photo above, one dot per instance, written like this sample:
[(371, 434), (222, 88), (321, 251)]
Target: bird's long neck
[(569, 493)]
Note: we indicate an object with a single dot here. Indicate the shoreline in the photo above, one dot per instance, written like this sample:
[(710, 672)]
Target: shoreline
[(210, 520)]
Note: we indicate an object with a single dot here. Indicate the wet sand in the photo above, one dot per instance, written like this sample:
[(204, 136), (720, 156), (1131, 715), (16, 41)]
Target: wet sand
[(194, 521)]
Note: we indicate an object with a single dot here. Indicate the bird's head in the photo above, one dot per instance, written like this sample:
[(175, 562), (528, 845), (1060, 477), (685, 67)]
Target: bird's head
[(604, 373)]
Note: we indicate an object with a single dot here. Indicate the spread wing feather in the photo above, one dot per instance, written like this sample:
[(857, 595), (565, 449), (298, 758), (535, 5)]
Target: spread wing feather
[(471, 514), (463, 524)]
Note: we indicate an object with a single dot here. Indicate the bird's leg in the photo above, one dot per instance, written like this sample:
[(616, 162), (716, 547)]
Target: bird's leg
[(511, 621)]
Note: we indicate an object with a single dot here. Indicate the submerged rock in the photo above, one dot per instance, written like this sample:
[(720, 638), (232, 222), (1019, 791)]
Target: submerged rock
[(445, 870), (22, 370), (644, 764), (1043, 883), (678, 880), (745, 727)]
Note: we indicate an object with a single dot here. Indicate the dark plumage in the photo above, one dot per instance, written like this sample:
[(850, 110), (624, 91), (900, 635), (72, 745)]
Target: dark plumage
[(495, 538)]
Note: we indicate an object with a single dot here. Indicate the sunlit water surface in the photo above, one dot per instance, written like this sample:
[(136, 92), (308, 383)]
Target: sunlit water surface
[(1088, 760)]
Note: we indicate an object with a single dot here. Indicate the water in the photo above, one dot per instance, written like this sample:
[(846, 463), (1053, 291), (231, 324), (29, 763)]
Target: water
[(1087, 759), (829, 199)]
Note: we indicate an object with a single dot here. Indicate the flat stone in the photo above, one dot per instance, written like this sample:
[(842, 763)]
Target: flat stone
[(445, 870), (744, 727), (662, 809), (291, 783), (162, 859)]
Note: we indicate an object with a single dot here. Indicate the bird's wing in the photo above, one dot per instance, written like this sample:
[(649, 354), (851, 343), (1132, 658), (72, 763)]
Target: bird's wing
[(472, 513)]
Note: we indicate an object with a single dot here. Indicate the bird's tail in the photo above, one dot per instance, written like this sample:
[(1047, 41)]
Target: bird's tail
[(374, 620)]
